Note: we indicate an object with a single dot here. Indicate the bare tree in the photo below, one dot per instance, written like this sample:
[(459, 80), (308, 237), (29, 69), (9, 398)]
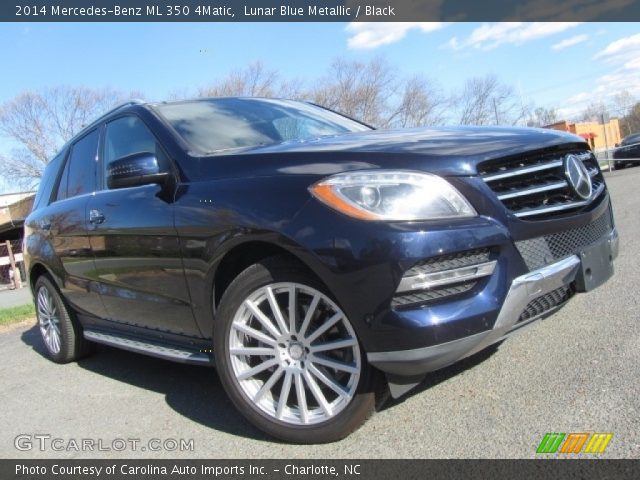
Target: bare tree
[(487, 101), (359, 90), (631, 121), (421, 104), (39, 123), (624, 106), (594, 112), (256, 80), (177, 94), (542, 117)]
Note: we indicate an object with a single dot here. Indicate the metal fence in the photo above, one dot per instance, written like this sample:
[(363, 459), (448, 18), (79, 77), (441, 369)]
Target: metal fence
[(606, 160)]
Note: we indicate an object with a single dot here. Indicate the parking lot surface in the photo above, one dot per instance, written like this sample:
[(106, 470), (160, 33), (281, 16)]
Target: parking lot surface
[(576, 371), (13, 298)]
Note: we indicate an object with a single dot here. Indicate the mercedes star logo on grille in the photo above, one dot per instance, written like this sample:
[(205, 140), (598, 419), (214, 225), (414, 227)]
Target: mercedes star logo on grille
[(577, 176)]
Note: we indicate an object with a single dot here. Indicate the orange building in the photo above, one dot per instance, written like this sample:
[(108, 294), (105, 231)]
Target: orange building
[(598, 135)]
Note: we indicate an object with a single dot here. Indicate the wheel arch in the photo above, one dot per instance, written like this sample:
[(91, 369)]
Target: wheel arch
[(242, 256), (37, 270)]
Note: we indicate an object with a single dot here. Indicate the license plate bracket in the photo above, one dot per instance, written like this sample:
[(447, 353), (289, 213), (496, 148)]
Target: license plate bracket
[(596, 266)]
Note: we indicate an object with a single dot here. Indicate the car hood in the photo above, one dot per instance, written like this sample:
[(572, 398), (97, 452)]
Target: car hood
[(445, 151)]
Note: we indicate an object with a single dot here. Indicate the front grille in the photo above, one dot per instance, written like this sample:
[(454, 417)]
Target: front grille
[(540, 251), (535, 187), (546, 303), (431, 296)]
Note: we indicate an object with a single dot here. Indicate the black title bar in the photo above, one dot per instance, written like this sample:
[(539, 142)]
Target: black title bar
[(317, 11), (318, 469)]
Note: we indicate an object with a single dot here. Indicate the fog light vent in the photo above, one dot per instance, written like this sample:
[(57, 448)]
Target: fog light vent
[(444, 276)]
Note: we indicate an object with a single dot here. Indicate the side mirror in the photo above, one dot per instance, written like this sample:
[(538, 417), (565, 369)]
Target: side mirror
[(134, 170)]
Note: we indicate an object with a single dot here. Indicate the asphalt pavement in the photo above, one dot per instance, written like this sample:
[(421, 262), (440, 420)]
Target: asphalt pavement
[(576, 371), (15, 298)]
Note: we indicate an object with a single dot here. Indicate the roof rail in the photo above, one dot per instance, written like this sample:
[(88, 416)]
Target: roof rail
[(98, 119), (134, 101)]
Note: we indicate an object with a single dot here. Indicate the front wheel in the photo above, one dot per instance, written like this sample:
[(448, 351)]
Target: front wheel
[(289, 357)]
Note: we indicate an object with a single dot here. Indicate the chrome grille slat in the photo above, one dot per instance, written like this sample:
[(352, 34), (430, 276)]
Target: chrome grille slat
[(557, 208), (535, 186), (523, 171), (529, 191)]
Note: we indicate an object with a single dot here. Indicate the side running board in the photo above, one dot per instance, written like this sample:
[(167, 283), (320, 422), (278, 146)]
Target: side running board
[(154, 349)]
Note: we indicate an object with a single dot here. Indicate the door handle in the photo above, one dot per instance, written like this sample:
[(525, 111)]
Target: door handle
[(96, 217)]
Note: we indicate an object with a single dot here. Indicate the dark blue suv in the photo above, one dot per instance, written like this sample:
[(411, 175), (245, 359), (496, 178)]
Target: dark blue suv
[(315, 261)]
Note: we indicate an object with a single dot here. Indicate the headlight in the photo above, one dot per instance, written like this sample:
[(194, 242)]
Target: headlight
[(392, 195)]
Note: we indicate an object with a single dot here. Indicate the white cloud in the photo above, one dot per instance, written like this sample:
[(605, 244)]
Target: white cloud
[(491, 35), (622, 61), (626, 46), (368, 35), (569, 42), (620, 64), (578, 98)]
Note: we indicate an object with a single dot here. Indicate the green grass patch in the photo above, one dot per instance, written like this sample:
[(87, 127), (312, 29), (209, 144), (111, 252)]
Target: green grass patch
[(16, 314)]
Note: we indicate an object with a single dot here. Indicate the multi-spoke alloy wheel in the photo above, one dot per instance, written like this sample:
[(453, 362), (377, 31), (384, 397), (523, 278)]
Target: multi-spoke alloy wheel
[(289, 356), (294, 353), (60, 330), (48, 320)]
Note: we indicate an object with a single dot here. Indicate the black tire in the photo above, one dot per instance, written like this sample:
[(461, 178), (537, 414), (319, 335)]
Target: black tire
[(277, 270), (72, 345)]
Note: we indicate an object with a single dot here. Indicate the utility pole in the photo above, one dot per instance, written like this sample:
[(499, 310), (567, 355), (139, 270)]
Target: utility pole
[(17, 282), (495, 110), (605, 119)]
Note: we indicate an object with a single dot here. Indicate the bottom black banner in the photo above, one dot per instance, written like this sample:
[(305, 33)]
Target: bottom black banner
[(318, 469)]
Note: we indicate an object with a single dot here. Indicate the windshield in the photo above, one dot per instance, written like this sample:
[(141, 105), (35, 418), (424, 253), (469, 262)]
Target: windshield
[(218, 124)]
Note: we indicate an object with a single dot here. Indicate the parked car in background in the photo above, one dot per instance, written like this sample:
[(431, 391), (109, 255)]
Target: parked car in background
[(628, 152), (314, 260)]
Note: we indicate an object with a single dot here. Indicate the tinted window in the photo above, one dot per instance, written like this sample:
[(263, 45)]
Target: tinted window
[(79, 174), (226, 123), (630, 140), (43, 196), (128, 135)]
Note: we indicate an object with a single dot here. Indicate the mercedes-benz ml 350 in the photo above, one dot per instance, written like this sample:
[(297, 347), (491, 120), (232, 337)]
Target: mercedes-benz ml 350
[(315, 261)]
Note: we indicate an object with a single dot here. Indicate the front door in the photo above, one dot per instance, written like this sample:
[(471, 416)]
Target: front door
[(135, 244)]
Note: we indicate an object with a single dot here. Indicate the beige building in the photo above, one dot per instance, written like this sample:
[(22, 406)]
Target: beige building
[(14, 208), (598, 135)]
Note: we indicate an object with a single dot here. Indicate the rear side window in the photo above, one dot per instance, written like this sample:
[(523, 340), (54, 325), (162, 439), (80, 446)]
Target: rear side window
[(43, 196), (79, 174)]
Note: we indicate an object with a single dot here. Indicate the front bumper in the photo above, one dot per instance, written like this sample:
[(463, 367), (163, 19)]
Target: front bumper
[(523, 289)]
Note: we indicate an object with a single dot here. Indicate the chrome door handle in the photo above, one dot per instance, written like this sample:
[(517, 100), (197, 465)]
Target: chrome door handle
[(96, 217)]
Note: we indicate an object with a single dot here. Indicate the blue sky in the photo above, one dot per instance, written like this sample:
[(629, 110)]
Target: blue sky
[(562, 65)]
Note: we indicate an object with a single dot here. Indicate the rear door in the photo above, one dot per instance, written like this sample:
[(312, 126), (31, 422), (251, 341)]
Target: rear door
[(66, 221), (134, 241)]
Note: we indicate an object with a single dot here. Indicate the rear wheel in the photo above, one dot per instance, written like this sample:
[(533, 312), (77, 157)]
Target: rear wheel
[(60, 330), (289, 357)]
